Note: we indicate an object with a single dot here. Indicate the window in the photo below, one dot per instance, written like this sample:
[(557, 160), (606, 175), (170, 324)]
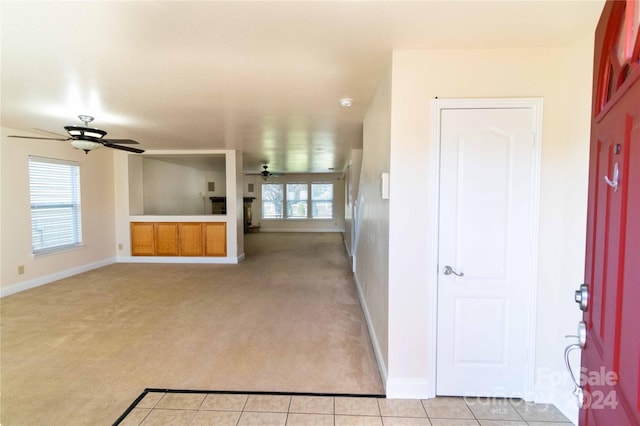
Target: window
[(297, 200), (322, 200), (272, 200), (54, 187)]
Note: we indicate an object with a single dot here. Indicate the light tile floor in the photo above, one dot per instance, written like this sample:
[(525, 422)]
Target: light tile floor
[(220, 409)]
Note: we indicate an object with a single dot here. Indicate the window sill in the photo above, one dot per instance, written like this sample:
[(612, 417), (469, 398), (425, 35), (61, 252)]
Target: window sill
[(57, 250)]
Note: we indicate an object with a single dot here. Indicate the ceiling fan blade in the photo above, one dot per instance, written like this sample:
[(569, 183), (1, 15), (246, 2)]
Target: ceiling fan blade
[(35, 137), (121, 141), (51, 133), (124, 148)]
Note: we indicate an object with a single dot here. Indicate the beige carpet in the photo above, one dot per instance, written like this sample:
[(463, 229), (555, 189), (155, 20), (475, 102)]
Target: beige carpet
[(79, 350)]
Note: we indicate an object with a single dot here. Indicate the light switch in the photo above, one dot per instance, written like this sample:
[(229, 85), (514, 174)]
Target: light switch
[(384, 185)]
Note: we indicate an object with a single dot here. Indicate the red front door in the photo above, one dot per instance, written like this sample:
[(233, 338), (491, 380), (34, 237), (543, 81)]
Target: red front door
[(610, 374)]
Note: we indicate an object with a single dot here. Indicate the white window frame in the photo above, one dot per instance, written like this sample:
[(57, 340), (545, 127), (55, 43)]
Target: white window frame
[(287, 200), (310, 201), (51, 214), (313, 202), (282, 186)]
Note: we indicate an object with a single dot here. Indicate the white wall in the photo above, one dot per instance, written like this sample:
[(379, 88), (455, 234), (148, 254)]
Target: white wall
[(371, 239), (352, 179), (561, 76), (172, 189), (564, 237), (300, 225), (235, 225), (136, 185), (220, 180), (98, 224)]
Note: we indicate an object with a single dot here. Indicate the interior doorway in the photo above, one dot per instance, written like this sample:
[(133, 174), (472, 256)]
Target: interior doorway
[(488, 199)]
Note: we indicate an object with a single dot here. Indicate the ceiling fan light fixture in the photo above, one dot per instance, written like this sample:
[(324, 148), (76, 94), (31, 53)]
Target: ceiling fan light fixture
[(88, 138), (89, 132), (93, 134), (265, 173), (85, 145)]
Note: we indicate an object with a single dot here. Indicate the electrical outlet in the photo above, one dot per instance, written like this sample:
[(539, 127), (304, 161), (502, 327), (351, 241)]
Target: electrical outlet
[(120, 246), (20, 269)]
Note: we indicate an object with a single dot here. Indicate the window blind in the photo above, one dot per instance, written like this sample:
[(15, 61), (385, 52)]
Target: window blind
[(272, 200), (322, 200), (297, 200), (54, 187)]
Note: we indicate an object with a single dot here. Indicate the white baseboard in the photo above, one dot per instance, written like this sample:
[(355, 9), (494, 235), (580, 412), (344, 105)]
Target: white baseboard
[(374, 340), (394, 388), (180, 259), (407, 388), (262, 229), (46, 279), (346, 246)]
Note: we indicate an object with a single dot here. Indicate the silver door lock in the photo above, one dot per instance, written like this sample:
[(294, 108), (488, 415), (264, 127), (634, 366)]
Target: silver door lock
[(582, 297)]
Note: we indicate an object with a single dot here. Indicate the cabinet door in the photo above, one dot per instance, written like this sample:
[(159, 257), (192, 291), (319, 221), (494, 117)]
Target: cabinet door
[(190, 239), (215, 239), (166, 239), (142, 239)]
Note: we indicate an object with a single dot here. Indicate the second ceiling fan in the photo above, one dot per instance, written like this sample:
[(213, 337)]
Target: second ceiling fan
[(266, 174)]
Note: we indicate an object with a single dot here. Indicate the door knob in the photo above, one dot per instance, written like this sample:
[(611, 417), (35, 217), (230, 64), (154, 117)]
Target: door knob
[(448, 270), (582, 297)]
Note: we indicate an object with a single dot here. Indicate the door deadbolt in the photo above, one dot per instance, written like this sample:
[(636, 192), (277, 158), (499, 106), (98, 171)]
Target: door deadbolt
[(582, 297)]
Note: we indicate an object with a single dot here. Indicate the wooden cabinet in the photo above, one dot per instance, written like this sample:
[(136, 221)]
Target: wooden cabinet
[(191, 239), (166, 239), (178, 239), (215, 239), (143, 239)]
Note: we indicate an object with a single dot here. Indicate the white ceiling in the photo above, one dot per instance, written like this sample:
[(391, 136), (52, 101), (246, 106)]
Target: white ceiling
[(262, 77)]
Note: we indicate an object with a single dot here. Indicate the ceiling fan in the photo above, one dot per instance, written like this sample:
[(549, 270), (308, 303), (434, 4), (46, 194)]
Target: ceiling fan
[(88, 138), (266, 174)]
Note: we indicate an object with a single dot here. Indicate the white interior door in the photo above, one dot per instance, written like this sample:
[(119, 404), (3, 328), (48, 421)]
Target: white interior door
[(485, 235)]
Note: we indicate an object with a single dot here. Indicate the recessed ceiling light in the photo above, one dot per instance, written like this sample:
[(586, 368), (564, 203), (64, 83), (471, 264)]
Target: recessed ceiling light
[(346, 102)]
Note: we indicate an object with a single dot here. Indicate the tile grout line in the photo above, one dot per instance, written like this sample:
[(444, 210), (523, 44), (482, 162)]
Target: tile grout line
[(286, 418), (163, 394)]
